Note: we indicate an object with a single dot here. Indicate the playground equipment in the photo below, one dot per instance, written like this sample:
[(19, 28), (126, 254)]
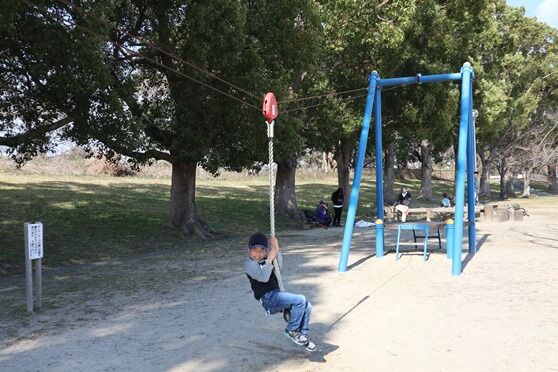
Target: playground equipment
[(270, 111), (465, 162)]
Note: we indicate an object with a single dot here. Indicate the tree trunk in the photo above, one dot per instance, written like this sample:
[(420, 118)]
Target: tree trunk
[(389, 174), (484, 187), (526, 183), (285, 195), (509, 184), (552, 178), (502, 169), (343, 158), (426, 148), (327, 162), (183, 214)]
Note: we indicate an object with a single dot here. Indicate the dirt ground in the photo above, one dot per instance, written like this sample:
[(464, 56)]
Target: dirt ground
[(177, 311)]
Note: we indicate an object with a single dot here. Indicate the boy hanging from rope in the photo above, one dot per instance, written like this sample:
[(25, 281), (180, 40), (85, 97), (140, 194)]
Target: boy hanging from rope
[(259, 269)]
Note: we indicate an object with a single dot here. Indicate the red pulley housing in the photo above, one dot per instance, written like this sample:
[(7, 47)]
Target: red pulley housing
[(269, 108)]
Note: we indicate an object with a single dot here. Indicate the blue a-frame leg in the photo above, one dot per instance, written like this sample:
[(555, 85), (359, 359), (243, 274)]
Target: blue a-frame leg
[(465, 161), (353, 201)]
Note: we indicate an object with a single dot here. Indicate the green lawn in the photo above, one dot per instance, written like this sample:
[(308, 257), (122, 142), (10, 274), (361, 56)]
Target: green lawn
[(89, 218)]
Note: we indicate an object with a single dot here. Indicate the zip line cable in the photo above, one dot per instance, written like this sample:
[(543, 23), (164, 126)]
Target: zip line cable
[(153, 46), (321, 96), (200, 69), (341, 99), (131, 52), (322, 104), (203, 71), (332, 94)]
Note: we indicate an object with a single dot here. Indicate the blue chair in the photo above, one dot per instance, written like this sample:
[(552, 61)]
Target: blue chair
[(413, 227)]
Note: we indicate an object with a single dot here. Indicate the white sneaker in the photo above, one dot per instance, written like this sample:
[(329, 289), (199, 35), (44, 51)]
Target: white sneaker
[(296, 337), (310, 346)]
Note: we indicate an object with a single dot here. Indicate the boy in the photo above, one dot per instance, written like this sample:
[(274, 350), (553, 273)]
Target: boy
[(445, 202), (259, 269)]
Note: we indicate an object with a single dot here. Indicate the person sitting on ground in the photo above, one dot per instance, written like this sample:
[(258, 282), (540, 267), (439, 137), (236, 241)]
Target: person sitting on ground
[(403, 202), (323, 214), (264, 284), (452, 200), (337, 200), (445, 202)]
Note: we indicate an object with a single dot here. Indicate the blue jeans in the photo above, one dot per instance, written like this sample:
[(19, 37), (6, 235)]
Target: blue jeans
[(275, 301)]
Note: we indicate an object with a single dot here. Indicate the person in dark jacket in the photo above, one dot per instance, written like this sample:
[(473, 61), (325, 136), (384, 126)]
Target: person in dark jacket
[(337, 201), (403, 202), (259, 269)]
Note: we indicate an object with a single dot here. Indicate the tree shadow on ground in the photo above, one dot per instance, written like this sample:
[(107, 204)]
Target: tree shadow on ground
[(164, 311)]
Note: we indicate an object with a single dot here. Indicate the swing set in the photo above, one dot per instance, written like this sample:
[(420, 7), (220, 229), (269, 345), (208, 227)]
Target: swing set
[(465, 163)]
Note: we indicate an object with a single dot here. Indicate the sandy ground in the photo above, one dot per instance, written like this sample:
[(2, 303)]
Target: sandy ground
[(181, 312)]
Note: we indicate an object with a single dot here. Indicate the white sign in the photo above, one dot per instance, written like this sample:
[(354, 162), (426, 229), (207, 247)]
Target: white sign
[(35, 240)]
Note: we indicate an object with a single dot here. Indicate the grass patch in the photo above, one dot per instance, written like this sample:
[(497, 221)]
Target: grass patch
[(90, 218)]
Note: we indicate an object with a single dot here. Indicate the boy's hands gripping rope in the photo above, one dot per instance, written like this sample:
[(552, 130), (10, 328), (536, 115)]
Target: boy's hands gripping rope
[(273, 248)]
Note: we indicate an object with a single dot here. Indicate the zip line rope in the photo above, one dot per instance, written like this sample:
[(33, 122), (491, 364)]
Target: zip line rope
[(341, 99), (271, 172), (200, 69), (203, 71), (321, 95), (322, 104), (134, 53)]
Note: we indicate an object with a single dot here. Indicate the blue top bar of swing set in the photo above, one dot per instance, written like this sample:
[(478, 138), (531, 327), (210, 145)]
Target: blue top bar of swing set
[(419, 79)]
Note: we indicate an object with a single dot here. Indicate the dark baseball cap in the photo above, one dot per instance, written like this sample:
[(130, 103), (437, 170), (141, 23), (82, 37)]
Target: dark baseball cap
[(257, 240)]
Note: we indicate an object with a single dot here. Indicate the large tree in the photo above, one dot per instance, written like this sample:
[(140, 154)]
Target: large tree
[(178, 111), (148, 80), (288, 38), (358, 38), (515, 59), (178, 114)]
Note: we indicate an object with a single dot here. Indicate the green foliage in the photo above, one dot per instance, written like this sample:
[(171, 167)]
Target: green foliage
[(48, 72), (123, 94), (515, 57)]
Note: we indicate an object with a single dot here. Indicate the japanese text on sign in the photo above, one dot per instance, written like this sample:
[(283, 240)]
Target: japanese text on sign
[(35, 240)]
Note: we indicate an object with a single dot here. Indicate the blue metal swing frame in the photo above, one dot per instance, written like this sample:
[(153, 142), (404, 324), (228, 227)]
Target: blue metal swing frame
[(465, 162)]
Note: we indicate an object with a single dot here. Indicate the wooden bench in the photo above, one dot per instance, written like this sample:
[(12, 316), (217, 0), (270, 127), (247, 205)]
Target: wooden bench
[(391, 214)]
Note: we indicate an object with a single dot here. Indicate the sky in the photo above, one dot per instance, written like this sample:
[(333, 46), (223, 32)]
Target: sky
[(544, 10)]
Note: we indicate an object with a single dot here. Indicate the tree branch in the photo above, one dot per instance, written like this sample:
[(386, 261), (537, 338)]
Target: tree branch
[(34, 133), (139, 155), (150, 154), (382, 3)]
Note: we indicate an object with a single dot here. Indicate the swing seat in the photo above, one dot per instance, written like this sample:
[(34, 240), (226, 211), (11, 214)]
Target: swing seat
[(414, 227)]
